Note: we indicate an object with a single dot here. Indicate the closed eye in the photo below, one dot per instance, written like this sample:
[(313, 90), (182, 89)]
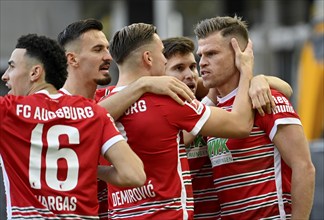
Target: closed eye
[(99, 48)]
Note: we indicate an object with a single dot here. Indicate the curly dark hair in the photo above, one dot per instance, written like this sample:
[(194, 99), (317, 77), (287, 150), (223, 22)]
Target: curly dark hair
[(76, 29), (49, 53), (177, 45)]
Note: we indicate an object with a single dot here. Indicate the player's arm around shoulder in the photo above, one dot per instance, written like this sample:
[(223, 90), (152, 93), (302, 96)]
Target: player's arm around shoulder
[(163, 85), (127, 168), (222, 123), (294, 149), (260, 92)]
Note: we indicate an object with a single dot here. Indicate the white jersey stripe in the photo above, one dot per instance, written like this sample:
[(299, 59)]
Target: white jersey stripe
[(277, 164)]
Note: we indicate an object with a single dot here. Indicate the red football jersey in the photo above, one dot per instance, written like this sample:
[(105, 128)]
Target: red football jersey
[(50, 146), (251, 179), (102, 185), (206, 204), (101, 94), (153, 128)]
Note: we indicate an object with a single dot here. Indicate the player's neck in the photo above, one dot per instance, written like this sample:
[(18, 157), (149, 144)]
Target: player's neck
[(78, 87), (44, 86), (228, 86), (126, 79), (129, 75)]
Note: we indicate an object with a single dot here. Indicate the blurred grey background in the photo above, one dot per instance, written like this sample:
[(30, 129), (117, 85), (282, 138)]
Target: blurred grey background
[(288, 39)]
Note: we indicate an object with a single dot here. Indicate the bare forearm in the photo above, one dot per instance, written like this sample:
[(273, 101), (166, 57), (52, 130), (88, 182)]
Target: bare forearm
[(302, 192), (118, 103), (235, 124), (280, 85), (109, 174), (242, 104), (242, 107), (188, 138), (127, 169)]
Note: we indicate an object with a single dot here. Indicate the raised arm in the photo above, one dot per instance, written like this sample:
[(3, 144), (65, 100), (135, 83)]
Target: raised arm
[(164, 85), (280, 85), (127, 168), (238, 122), (293, 147), (261, 95)]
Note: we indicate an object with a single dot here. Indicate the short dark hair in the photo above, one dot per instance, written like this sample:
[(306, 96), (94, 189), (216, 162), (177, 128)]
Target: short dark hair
[(49, 53), (228, 26), (76, 29), (177, 45), (130, 38)]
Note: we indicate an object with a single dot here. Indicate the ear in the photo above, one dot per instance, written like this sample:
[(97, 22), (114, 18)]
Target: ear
[(36, 72), (147, 58), (71, 58)]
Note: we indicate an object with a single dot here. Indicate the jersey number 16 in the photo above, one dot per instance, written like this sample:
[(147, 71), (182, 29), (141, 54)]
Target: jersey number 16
[(53, 154)]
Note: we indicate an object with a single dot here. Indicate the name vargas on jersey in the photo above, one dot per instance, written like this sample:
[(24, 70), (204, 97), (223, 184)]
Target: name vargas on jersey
[(58, 203)]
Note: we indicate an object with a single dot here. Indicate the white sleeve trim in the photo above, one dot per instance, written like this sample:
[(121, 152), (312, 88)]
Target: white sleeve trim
[(207, 101), (196, 129), (110, 143), (282, 121)]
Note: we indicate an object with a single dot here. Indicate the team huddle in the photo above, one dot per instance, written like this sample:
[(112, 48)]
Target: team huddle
[(166, 142)]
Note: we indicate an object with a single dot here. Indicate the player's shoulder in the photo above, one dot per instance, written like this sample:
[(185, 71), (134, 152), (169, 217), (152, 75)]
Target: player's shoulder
[(8, 97), (76, 100), (275, 92), (8, 100), (279, 98), (16, 99), (167, 102), (102, 93), (160, 98)]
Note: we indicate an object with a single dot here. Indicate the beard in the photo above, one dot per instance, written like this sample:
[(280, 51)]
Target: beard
[(103, 82)]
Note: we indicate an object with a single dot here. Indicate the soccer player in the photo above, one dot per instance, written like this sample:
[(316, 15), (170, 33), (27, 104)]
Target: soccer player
[(181, 63), (89, 60), (268, 175), (50, 143), (153, 127)]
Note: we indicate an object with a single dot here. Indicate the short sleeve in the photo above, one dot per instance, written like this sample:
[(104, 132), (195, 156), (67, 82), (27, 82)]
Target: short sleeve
[(283, 113)]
